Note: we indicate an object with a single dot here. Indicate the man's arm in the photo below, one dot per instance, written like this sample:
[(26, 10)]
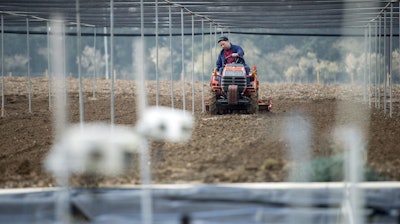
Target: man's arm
[(239, 51)]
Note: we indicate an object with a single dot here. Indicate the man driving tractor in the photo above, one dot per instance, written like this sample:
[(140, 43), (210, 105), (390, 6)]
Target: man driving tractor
[(230, 53)]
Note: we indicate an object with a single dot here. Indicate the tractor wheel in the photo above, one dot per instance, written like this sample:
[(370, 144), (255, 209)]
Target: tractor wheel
[(212, 107), (232, 94), (253, 109)]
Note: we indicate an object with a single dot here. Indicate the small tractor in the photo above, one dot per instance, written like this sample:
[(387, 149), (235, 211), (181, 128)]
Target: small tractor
[(234, 90)]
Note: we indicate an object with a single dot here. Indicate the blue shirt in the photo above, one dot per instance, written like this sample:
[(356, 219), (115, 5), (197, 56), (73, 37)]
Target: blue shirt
[(235, 49)]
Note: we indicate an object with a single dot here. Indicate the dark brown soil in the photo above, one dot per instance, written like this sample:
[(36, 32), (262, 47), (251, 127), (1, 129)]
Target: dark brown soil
[(224, 148)]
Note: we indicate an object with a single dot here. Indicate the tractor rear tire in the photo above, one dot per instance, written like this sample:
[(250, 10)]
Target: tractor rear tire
[(212, 107), (253, 109)]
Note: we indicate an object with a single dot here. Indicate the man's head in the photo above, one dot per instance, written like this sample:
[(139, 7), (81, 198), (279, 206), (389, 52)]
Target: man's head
[(224, 42)]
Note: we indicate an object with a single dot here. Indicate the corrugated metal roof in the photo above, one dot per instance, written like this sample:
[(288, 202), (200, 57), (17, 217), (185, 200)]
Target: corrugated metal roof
[(232, 16)]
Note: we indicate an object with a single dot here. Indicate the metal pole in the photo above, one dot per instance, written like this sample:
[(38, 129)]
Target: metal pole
[(379, 61), (369, 64), (202, 67), (145, 160), (170, 56), (376, 64), (106, 52), (2, 67), (365, 65), (390, 58), (156, 8), (78, 27), (192, 64), (64, 64), (63, 200), (28, 66), (183, 62), (49, 69), (94, 62), (215, 36), (211, 45), (384, 63), (112, 59)]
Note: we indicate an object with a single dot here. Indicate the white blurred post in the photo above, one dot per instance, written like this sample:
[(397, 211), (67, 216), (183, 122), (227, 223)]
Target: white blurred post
[(353, 200), (145, 161), (60, 121), (297, 133)]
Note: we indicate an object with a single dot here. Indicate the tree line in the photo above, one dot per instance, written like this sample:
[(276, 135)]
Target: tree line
[(303, 59)]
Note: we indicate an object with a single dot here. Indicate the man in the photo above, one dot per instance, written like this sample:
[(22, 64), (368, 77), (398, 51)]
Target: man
[(229, 53)]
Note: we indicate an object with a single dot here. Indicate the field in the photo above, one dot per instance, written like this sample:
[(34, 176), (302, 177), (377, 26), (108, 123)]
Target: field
[(223, 148)]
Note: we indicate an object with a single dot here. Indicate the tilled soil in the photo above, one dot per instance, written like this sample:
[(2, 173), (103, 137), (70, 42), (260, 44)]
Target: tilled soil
[(224, 148)]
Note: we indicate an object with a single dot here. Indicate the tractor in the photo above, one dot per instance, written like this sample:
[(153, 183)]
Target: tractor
[(234, 90)]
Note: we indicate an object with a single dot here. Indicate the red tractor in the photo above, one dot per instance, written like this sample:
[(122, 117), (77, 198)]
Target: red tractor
[(234, 90)]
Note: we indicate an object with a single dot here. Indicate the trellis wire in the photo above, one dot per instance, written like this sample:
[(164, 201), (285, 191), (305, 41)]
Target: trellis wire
[(183, 73)]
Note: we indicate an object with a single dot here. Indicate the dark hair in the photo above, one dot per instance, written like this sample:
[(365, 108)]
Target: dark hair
[(222, 39)]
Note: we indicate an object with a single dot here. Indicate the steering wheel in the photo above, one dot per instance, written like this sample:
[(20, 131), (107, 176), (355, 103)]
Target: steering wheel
[(239, 59)]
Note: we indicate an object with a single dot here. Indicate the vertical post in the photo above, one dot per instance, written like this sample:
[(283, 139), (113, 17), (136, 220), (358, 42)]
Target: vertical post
[(64, 62), (28, 66), (156, 8), (94, 62), (2, 67), (369, 64), (202, 66), (78, 29), (211, 45), (365, 65), (183, 62), (112, 59), (63, 201), (390, 59), (192, 64), (106, 52), (145, 160), (170, 56), (376, 63), (384, 63), (49, 68), (380, 60)]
